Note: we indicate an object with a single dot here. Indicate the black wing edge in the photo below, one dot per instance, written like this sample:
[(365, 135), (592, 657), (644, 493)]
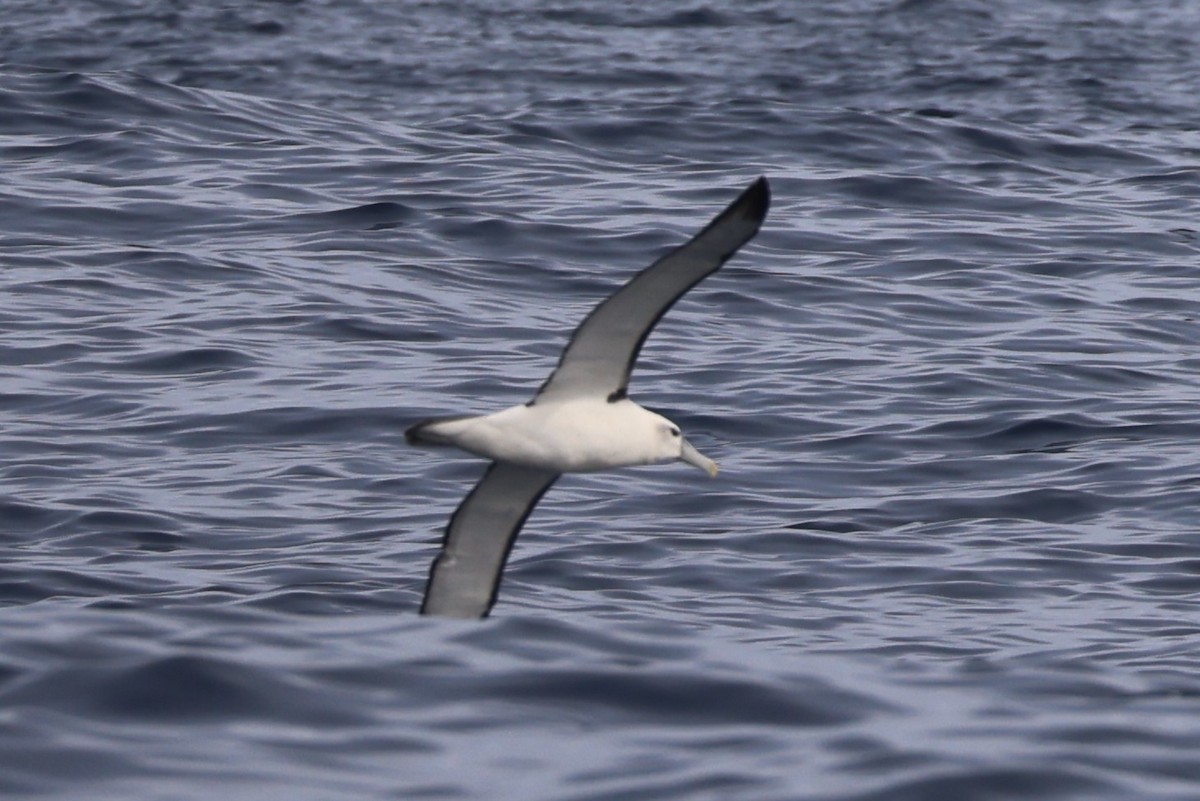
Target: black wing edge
[(753, 204), (757, 200), (512, 539)]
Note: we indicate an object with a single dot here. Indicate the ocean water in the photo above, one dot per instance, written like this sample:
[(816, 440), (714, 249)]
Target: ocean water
[(954, 549)]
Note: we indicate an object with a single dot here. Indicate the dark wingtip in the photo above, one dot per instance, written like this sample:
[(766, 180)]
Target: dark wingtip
[(757, 199)]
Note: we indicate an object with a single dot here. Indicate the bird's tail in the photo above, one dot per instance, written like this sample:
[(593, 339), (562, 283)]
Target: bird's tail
[(436, 430)]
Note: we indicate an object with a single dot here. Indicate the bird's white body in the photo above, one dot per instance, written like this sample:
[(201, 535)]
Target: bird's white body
[(578, 435)]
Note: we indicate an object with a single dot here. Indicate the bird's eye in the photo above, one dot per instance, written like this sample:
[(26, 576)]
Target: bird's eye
[(674, 431)]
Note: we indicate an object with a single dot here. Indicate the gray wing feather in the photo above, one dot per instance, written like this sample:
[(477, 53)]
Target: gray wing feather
[(602, 351), (466, 574)]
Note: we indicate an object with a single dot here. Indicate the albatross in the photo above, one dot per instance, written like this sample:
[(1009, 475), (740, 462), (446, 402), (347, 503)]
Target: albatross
[(580, 420)]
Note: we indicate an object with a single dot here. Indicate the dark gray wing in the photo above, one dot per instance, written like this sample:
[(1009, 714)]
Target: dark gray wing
[(600, 356), (466, 574)]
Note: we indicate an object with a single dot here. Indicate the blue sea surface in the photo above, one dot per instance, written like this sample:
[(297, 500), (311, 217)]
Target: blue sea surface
[(953, 386)]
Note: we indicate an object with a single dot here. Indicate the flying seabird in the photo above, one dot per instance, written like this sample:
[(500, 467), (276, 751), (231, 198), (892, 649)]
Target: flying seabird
[(580, 420)]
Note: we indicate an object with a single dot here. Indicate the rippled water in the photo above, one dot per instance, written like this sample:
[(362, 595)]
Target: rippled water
[(954, 549)]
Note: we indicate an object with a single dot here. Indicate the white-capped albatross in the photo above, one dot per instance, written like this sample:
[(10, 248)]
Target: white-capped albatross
[(580, 419)]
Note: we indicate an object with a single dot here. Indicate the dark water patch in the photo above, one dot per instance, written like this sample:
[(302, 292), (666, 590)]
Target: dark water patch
[(22, 584), (371, 216), (18, 592), (97, 148), (22, 400), (492, 237), (1170, 583), (24, 767), (1052, 434), (901, 190), (79, 404), (190, 361), (182, 689), (88, 95), (1113, 378), (262, 426), (109, 535), (968, 590), (690, 700), (1080, 154), (140, 525), (153, 541), (90, 288), (39, 354), (307, 423), (936, 112), (360, 330), (1044, 504), (332, 601), (550, 640), (9, 672), (1048, 434), (989, 784), (22, 516), (995, 142), (1182, 182), (702, 16)]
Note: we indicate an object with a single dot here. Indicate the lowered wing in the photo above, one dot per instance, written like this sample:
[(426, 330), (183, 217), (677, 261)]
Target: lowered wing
[(466, 574)]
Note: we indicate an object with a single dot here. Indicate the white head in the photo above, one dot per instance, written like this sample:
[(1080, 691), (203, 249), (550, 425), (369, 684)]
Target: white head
[(671, 445)]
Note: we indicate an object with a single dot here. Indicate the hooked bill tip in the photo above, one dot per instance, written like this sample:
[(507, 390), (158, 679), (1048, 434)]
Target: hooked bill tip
[(693, 457)]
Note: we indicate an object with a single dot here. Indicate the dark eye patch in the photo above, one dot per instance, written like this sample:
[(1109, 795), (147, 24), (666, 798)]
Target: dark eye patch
[(674, 431)]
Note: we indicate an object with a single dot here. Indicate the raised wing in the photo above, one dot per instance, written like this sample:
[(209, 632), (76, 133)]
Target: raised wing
[(600, 356), (466, 574)]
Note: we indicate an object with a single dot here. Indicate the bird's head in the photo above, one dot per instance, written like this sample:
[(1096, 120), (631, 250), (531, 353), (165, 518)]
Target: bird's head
[(672, 445)]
